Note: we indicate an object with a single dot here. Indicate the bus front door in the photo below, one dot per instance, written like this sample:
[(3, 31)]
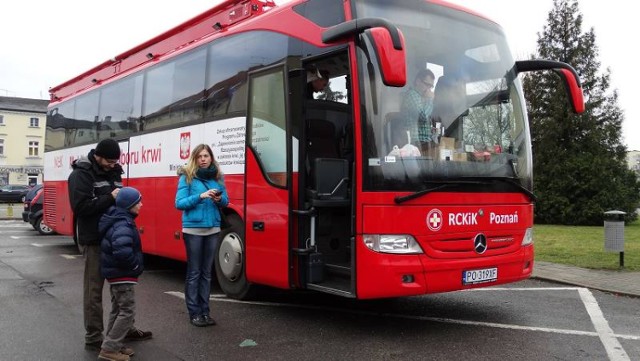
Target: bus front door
[(268, 172)]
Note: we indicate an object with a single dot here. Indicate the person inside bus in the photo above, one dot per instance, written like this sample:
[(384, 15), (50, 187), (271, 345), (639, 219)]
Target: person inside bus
[(416, 107), (317, 81), (200, 194), (94, 184)]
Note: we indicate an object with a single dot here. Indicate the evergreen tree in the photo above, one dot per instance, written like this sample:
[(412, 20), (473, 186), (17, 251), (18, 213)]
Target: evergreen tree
[(579, 161)]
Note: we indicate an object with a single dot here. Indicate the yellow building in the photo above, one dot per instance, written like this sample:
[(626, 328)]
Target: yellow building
[(22, 129)]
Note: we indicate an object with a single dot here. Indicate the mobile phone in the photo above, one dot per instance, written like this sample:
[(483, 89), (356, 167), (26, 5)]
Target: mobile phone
[(217, 192)]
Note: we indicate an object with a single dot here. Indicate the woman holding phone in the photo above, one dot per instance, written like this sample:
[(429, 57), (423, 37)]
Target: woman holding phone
[(200, 193)]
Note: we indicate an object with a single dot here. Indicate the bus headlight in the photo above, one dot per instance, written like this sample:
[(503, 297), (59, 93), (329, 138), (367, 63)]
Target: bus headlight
[(527, 239), (392, 243)]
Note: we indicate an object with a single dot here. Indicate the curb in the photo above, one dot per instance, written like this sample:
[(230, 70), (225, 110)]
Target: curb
[(578, 284)]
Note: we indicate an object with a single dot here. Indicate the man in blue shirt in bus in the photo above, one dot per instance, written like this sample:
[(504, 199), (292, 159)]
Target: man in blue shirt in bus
[(93, 185), (416, 108)]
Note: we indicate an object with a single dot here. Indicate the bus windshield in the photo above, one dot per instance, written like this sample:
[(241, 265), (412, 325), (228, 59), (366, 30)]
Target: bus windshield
[(461, 114)]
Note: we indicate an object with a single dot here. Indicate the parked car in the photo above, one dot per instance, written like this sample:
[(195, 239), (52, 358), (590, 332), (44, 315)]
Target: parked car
[(27, 200), (34, 212), (13, 193)]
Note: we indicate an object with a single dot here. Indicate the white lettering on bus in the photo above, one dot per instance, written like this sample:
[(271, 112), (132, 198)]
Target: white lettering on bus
[(463, 219), (503, 218)]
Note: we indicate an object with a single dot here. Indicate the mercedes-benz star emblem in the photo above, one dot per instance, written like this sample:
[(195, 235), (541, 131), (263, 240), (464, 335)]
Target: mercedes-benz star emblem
[(480, 243)]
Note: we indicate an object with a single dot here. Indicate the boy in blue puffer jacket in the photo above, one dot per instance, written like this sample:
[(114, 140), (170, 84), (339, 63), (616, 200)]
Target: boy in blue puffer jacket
[(121, 264)]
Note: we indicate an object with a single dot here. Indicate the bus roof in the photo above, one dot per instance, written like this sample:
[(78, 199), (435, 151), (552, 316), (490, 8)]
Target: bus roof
[(227, 13), (212, 21)]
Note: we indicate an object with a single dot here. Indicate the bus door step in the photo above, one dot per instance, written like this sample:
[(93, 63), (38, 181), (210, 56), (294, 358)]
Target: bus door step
[(315, 267)]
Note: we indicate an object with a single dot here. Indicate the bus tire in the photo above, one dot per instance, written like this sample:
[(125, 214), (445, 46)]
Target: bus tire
[(230, 261), (78, 245)]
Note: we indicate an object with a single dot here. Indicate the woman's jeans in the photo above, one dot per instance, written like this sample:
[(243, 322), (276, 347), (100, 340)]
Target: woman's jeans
[(200, 255)]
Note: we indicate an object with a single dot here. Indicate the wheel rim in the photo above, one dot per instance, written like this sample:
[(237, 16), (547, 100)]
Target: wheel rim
[(230, 256), (44, 228)]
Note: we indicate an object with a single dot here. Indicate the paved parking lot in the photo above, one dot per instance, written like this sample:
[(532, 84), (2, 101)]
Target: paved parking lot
[(40, 284)]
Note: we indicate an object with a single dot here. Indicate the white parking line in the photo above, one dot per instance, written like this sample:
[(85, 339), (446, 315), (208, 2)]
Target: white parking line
[(608, 338), (222, 298)]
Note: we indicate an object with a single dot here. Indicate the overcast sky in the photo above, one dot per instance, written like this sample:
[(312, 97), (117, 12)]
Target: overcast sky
[(45, 43)]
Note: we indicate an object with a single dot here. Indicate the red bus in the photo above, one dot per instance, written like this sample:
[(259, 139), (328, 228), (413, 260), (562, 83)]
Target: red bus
[(319, 200)]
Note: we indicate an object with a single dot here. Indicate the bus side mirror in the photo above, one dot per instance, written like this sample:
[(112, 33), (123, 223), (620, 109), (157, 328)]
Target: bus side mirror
[(567, 73), (388, 43), (392, 61), (572, 85)]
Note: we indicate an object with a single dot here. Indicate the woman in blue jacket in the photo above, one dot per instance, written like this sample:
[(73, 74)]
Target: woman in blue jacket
[(200, 193)]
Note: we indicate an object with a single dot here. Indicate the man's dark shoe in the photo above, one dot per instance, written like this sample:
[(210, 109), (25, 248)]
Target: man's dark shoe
[(136, 334), (95, 345), (199, 321), (208, 320)]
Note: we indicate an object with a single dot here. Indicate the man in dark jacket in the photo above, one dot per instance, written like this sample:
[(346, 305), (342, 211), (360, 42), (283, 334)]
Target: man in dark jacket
[(94, 184)]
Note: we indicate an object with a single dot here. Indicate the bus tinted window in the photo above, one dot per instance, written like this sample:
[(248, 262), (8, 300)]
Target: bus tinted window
[(229, 61), (267, 122), (325, 13), (120, 107), (86, 116), (173, 91), (59, 120)]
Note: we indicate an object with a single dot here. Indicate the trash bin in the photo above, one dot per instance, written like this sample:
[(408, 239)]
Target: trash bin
[(614, 233)]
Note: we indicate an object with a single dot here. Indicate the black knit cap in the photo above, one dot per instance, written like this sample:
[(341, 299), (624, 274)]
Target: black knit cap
[(108, 149)]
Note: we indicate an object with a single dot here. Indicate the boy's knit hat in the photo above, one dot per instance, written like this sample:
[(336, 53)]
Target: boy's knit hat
[(128, 197), (108, 149)]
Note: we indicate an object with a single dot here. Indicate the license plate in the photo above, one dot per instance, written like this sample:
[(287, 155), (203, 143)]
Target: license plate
[(479, 276)]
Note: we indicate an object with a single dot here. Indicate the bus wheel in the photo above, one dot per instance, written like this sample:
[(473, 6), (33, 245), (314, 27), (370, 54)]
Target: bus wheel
[(78, 246), (230, 261)]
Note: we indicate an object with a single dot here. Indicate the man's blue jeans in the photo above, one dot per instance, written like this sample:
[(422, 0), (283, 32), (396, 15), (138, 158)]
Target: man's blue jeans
[(200, 255)]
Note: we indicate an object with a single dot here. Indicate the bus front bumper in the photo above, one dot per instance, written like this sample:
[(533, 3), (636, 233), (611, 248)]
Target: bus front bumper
[(381, 275)]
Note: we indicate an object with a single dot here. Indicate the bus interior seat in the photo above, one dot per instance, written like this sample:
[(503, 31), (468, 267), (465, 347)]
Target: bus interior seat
[(331, 179)]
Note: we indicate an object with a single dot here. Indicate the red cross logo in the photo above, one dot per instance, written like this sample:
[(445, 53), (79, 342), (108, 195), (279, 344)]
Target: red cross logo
[(434, 220)]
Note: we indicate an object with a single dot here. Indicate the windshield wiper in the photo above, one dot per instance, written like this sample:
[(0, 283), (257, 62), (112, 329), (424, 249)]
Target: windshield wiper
[(510, 181), (452, 183), (520, 187), (418, 194)]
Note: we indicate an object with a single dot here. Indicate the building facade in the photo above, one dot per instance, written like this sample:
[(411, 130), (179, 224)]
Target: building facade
[(22, 130)]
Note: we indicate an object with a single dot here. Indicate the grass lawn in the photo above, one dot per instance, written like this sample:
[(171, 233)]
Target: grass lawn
[(584, 246)]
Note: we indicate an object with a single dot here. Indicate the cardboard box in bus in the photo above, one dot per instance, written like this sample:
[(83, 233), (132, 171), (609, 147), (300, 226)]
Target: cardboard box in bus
[(447, 143)]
